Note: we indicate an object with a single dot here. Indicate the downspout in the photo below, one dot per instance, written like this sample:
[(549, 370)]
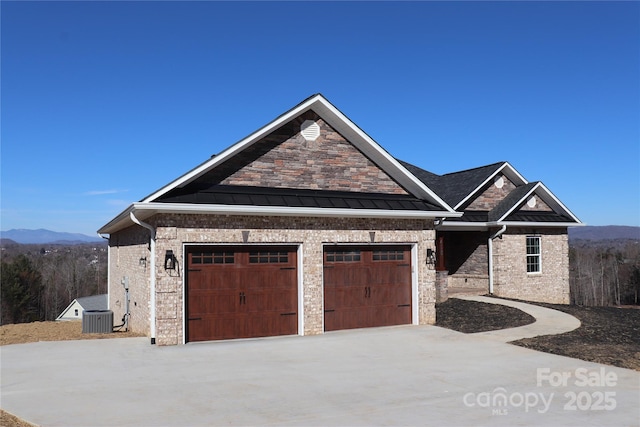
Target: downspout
[(152, 278), (490, 245)]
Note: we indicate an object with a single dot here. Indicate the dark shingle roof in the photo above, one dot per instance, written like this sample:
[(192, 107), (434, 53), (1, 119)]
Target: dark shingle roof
[(508, 202), (291, 197), (453, 187)]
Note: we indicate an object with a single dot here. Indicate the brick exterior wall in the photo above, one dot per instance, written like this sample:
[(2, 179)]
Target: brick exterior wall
[(467, 259), (126, 248), (511, 279), (330, 163), (174, 231)]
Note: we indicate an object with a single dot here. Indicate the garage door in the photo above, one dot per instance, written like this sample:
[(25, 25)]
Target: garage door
[(366, 286), (241, 292)]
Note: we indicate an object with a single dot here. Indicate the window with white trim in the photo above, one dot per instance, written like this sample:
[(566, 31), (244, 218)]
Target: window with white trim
[(533, 254)]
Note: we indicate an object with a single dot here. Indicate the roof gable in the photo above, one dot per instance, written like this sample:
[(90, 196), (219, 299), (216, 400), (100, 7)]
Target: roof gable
[(286, 159), (495, 193), (339, 123), (532, 203)]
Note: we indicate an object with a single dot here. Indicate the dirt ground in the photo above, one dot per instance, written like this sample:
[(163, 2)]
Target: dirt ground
[(51, 331), (608, 335)]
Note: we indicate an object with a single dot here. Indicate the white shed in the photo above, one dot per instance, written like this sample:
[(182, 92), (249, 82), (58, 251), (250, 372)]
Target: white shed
[(76, 308)]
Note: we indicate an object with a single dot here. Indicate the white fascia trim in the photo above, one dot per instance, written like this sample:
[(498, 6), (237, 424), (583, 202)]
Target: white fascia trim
[(547, 197), (373, 150), (288, 211), (483, 226), (146, 210), (508, 170), (541, 224), (519, 202), (465, 226), (122, 216)]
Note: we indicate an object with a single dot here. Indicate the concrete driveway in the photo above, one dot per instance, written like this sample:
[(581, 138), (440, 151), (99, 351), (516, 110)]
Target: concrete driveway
[(408, 375)]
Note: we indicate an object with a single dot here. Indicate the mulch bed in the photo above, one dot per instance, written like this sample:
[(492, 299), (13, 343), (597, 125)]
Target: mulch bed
[(470, 316), (608, 335)]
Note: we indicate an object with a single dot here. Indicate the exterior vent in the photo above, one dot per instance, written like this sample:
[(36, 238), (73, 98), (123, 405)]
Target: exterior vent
[(310, 130), (532, 202), (97, 322)]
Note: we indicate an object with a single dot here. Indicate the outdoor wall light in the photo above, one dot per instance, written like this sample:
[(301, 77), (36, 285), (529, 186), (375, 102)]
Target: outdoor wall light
[(143, 261), (431, 256), (169, 260)]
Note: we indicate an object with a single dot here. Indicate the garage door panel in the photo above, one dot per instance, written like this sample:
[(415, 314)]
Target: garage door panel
[(241, 292), (270, 300), (367, 286)]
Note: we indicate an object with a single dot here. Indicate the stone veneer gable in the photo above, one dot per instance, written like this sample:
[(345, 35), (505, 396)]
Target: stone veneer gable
[(328, 163), (491, 196)]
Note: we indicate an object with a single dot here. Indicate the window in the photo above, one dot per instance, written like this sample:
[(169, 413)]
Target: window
[(388, 255), (343, 256), (268, 257), (76, 310), (533, 255), (212, 257)]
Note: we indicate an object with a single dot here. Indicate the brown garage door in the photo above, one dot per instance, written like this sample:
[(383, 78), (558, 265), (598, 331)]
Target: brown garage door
[(366, 286), (240, 292)]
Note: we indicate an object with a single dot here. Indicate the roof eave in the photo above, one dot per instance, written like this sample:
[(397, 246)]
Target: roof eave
[(483, 226), (539, 224), (146, 210)]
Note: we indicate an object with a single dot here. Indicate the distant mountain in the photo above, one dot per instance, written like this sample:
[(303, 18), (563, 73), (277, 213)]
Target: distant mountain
[(605, 232), (47, 236)]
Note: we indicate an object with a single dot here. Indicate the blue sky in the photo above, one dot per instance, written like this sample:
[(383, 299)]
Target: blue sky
[(104, 103)]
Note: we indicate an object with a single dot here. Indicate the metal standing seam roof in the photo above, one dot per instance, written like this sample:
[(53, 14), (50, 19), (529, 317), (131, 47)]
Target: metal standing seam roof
[(287, 197)]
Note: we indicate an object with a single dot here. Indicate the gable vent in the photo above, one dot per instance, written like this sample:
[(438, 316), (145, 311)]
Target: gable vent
[(532, 202), (310, 130)]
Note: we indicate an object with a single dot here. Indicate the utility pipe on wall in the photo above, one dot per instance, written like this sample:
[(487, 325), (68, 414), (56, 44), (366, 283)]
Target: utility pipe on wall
[(152, 278), (490, 245)]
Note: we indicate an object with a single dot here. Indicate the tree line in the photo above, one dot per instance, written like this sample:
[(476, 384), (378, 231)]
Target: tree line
[(604, 273), (39, 281)]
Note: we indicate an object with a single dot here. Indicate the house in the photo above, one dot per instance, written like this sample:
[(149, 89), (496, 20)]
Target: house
[(79, 305), (308, 225)]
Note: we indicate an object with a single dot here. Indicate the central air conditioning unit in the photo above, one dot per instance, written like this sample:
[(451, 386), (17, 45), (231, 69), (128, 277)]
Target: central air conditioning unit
[(97, 322)]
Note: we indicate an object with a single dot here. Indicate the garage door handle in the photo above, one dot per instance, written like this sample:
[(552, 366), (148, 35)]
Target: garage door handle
[(404, 305), (287, 268), (367, 291), (195, 318), (329, 311), (288, 314), (243, 298)]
